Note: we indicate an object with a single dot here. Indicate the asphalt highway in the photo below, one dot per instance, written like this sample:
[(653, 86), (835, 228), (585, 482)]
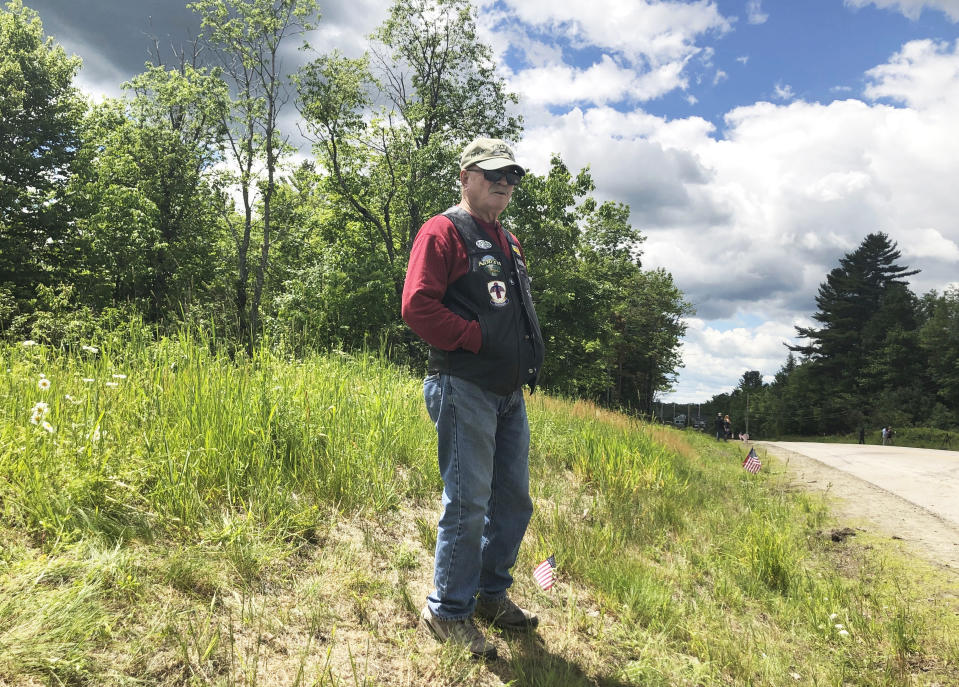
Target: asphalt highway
[(925, 477)]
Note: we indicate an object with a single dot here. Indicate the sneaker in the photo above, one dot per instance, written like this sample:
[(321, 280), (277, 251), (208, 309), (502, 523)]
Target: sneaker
[(462, 632), (506, 615)]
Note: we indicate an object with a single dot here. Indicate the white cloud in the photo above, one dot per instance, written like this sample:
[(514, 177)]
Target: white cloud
[(721, 356), (658, 32), (602, 83), (913, 8), (743, 59), (784, 92), (751, 221), (930, 243), (924, 73), (754, 12)]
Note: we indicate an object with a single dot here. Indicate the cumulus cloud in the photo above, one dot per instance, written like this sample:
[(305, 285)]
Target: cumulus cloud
[(913, 8), (602, 83), (647, 47), (725, 354), (654, 32), (783, 92), (750, 219), (921, 75), (754, 12)]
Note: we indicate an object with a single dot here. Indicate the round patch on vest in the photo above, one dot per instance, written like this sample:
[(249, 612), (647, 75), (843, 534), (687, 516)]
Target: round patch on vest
[(491, 265), (485, 245), (497, 292)]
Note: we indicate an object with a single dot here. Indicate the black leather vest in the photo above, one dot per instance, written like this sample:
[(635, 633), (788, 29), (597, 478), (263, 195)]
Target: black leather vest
[(496, 293)]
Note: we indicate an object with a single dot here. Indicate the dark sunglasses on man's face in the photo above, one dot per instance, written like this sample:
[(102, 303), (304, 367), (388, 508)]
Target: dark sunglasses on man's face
[(495, 175)]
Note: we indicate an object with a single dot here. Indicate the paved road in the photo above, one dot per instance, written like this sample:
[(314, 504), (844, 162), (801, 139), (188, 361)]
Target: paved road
[(925, 477)]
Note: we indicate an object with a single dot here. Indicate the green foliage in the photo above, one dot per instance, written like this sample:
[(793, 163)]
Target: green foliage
[(39, 118), (186, 518), (881, 358), (612, 330), (441, 89), (173, 204), (939, 338), (248, 37)]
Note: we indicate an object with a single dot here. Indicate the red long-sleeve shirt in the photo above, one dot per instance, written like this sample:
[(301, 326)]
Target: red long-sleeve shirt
[(437, 259)]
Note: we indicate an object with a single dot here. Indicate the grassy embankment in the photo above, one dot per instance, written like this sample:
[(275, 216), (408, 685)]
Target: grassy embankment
[(171, 517)]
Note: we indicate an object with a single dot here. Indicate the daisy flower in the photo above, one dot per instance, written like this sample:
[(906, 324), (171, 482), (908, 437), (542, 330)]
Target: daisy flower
[(47, 426), (43, 384), (112, 385), (119, 376)]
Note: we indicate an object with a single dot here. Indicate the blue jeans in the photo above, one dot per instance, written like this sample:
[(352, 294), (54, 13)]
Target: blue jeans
[(484, 461)]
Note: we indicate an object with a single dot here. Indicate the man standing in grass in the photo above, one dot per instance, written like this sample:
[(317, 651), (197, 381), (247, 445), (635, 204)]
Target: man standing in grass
[(467, 294)]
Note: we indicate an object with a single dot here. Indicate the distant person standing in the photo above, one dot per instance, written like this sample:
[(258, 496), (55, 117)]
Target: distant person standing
[(728, 427), (720, 427), (862, 435), (885, 435), (889, 435)]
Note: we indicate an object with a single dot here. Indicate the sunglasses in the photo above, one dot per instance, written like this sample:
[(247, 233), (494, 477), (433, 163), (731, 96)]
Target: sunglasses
[(496, 175)]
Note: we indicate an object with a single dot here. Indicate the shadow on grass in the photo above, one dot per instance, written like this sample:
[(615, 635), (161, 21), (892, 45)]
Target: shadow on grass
[(531, 664)]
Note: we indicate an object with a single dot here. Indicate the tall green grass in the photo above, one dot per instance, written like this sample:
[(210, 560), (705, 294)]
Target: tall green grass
[(175, 439), (167, 491)]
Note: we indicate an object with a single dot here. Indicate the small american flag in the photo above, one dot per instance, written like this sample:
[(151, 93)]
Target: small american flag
[(545, 573), (752, 462)]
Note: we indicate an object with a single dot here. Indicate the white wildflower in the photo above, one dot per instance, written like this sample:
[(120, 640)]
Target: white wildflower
[(28, 343), (112, 385), (833, 616), (39, 412), (88, 380), (843, 633), (839, 626), (90, 349), (95, 434), (47, 426), (43, 384), (119, 376)]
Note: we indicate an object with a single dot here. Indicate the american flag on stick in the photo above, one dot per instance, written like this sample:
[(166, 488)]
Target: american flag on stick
[(752, 463), (545, 573)]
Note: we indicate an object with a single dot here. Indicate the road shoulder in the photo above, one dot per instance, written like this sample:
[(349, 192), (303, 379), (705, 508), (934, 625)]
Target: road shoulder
[(872, 508)]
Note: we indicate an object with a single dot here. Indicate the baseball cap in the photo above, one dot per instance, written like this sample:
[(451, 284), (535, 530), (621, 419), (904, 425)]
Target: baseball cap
[(489, 153)]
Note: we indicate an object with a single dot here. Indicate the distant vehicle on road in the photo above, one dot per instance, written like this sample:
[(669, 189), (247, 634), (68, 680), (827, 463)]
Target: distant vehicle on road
[(680, 420)]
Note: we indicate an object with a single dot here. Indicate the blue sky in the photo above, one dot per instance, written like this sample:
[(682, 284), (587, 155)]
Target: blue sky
[(755, 141)]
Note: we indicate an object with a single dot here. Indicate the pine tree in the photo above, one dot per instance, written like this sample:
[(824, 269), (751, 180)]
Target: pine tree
[(857, 303)]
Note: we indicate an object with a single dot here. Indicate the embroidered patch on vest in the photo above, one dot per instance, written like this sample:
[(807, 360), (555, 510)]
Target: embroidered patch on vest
[(484, 244), (497, 292), (491, 265)]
